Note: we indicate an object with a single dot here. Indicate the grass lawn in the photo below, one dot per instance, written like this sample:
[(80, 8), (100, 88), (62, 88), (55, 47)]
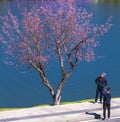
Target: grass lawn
[(39, 106), (62, 103)]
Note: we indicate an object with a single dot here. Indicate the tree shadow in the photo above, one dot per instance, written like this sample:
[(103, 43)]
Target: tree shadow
[(96, 116)]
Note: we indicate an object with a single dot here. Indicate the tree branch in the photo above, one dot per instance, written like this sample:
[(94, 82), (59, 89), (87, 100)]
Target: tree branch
[(42, 74)]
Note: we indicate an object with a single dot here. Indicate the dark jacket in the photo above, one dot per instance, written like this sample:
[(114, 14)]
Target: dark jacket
[(101, 82), (106, 98)]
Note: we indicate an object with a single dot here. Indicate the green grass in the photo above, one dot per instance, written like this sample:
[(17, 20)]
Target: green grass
[(81, 101), (8, 109), (40, 106)]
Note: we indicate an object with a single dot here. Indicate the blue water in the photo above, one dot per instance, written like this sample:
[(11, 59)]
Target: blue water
[(23, 88)]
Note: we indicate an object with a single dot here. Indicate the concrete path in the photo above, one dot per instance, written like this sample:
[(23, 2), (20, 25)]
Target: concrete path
[(77, 112)]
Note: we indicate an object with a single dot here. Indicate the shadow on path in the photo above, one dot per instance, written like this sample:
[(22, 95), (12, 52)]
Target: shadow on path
[(96, 116)]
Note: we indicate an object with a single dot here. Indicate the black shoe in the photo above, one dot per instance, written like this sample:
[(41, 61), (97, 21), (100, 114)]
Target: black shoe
[(108, 118), (104, 119), (100, 101)]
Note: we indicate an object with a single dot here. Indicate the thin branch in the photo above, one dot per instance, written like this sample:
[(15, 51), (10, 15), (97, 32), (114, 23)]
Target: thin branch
[(42, 74)]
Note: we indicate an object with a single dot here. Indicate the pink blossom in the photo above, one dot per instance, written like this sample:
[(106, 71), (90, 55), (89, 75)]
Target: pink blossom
[(41, 30), (22, 45), (60, 12)]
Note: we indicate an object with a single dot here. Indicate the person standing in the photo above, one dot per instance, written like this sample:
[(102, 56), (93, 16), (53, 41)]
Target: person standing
[(101, 82), (106, 103)]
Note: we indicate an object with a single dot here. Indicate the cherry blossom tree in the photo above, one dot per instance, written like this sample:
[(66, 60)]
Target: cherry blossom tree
[(54, 30)]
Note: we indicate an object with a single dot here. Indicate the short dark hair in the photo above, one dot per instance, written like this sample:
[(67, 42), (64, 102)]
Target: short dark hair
[(108, 89)]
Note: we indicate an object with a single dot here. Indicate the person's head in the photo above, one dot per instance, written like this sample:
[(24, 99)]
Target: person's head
[(108, 89), (103, 74)]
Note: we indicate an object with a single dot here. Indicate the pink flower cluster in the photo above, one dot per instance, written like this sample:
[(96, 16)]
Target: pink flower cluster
[(43, 29)]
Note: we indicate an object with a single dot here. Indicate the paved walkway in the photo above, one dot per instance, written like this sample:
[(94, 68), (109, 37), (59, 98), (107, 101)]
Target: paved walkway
[(77, 112)]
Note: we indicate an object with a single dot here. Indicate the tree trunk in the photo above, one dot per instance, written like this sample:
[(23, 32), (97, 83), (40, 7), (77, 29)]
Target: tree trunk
[(57, 98)]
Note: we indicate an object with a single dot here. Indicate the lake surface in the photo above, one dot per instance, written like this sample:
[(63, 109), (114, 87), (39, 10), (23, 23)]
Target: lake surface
[(23, 88)]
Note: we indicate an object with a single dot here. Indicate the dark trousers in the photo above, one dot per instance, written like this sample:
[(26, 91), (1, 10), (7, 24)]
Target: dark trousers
[(106, 107), (99, 90)]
